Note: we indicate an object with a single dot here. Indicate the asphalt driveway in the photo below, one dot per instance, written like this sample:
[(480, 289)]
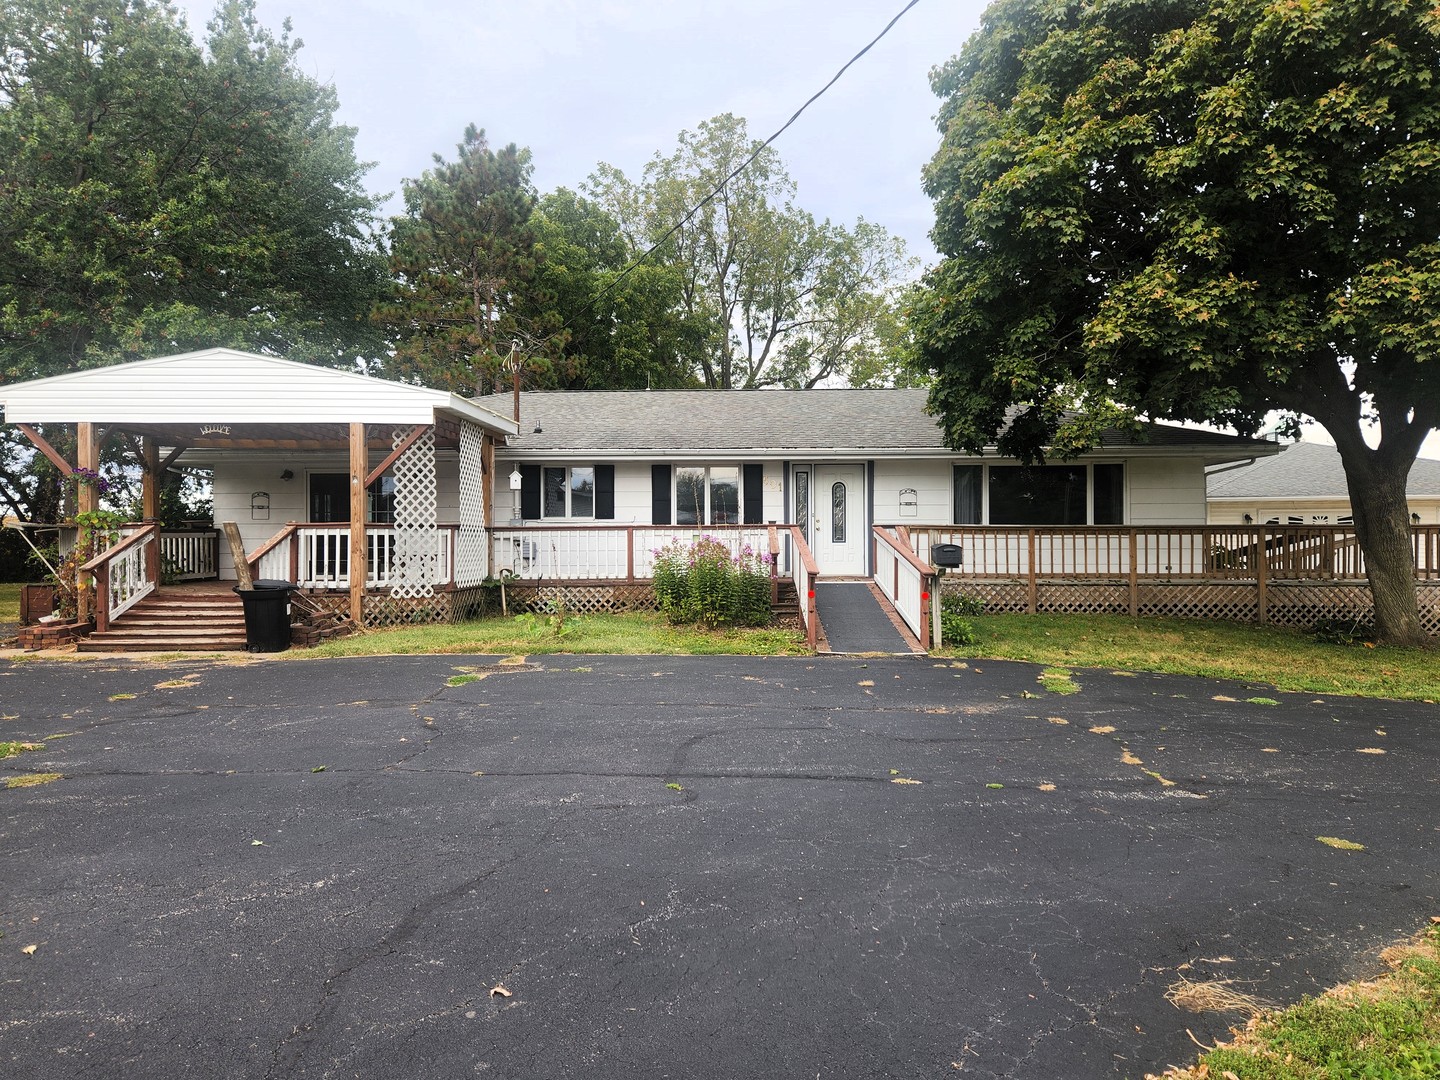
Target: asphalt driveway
[(681, 867)]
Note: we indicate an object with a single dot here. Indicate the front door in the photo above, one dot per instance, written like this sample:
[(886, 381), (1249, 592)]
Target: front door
[(837, 520)]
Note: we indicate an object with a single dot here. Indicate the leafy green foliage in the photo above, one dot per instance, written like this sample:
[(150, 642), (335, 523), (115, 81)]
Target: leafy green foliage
[(774, 297), (702, 582), (463, 254), (159, 195), (621, 333), (1194, 210), (1343, 631)]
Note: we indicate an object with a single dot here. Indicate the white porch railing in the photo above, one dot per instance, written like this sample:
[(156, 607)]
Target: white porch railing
[(125, 573), (906, 582), (605, 552), (189, 555), (318, 556)]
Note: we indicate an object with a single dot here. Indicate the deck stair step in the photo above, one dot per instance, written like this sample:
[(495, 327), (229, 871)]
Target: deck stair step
[(186, 619)]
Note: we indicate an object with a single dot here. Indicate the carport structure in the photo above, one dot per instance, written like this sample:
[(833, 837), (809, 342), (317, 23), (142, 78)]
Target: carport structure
[(426, 455)]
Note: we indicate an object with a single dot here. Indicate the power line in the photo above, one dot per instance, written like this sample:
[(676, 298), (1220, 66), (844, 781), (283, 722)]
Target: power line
[(748, 161)]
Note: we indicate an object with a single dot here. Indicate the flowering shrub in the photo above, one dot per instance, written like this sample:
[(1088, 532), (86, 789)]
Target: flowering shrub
[(701, 582), (82, 477)]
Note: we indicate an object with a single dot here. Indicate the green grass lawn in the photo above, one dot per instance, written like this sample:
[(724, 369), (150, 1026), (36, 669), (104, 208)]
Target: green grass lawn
[(1286, 659), (637, 634), (1388, 1029), (9, 601)]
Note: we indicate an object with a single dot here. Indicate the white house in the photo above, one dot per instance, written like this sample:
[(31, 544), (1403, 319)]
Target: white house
[(395, 502)]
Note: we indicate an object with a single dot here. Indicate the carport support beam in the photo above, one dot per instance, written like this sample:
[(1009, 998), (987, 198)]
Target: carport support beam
[(150, 479), (359, 462), (87, 500)]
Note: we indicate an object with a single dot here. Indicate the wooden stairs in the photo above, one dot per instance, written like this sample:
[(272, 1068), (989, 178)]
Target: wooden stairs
[(194, 617)]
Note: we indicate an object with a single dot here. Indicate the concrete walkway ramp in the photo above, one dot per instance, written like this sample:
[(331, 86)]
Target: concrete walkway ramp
[(857, 621)]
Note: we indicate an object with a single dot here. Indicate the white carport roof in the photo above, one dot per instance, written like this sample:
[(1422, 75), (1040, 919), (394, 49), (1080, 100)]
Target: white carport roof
[(227, 386)]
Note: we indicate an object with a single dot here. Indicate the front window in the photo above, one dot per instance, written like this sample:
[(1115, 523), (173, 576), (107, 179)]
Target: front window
[(707, 495), (1039, 494), (568, 492)]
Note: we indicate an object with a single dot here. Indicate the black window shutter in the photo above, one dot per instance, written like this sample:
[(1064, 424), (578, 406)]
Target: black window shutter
[(660, 493), (752, 489), (605, 492), (529, 491)]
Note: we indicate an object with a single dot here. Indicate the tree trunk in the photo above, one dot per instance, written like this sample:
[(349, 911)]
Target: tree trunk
[(1382, 524)]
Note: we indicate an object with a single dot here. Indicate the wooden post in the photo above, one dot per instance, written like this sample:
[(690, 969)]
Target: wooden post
[(1032, 588), (152, 556), (87, 500), (243, 580), (359, 459), (930, 605), (1134, 575), (630, 553), (1262, 574), (150, 479), (487, 483)]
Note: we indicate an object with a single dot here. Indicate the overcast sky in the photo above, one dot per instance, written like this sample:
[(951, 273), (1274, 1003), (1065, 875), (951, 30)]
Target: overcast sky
[(584, 81)]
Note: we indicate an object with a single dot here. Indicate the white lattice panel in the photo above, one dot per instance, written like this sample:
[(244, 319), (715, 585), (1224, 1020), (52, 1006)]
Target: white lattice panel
[(471, 545), (414, 571)]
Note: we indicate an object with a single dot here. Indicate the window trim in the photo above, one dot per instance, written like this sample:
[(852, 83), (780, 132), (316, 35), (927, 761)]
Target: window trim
[(569, 492), (705, 468)]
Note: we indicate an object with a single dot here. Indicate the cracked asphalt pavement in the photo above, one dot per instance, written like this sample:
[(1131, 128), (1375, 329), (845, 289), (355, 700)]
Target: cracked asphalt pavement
[(681, 867)]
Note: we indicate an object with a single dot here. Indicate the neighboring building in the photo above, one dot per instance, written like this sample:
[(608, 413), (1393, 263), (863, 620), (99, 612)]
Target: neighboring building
[(1305, 485)]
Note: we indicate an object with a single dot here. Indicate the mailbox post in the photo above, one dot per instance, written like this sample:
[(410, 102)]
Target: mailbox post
[(943, 557)]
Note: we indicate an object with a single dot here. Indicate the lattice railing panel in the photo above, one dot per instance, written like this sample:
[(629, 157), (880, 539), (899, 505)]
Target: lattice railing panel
[(416, 557), (472, 546), (1085, 600), (581, 599), (383, 612), (998, 597), (1232, 603)]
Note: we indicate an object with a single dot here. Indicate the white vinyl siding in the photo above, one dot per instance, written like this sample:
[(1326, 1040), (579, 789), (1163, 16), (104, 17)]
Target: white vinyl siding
[(1165, 491), (931, 481)]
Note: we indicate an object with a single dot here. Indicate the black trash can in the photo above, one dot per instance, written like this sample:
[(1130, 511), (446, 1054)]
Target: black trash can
[(267, 615)]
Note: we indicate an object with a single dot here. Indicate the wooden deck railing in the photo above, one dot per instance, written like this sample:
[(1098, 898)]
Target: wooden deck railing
[(1166, 552), (804, 573)]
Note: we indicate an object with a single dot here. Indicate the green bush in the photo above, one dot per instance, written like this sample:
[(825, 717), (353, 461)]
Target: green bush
[(702, 582), (955, 614), (956, 630), (964, 604)]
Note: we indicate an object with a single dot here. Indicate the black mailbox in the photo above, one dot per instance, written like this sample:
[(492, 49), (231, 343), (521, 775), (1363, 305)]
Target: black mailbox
[(946, 556)]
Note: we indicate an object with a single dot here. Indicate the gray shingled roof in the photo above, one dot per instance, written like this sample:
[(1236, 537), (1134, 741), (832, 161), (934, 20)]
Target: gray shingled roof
[(676, 421), (1308, 471)]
